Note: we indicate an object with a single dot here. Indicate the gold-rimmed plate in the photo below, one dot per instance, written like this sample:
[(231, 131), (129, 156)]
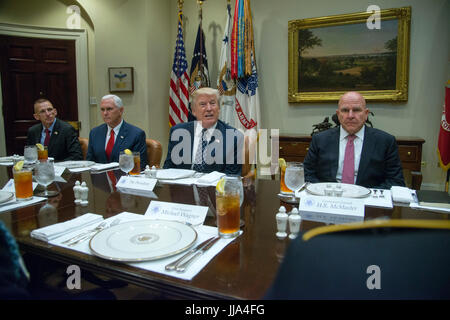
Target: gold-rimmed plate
[(349, 190), (143, 240)]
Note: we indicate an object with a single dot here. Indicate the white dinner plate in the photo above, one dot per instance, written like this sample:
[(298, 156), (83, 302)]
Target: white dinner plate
[(5, 196), (10, 159), (172, 174), (75, 164), (349, 190), (143, 240)]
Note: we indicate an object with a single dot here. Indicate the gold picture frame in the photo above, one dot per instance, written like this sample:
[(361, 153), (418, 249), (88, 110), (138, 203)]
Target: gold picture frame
[(327, 74)]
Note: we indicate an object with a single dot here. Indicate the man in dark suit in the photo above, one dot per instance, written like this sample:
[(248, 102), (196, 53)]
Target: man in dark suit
[(372, 154), (115, 135), (207, 144), (59, 136)]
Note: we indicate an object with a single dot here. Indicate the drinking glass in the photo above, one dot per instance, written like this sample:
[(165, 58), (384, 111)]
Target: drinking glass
[(137, 164), (126, 162), (30, 154), (283, 188), (228, 207), (45, 174), (42, 154), (294, 176), (23, 184)]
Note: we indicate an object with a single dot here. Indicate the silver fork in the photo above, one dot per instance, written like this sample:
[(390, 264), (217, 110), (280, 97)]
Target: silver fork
[(92, 234), (81, 235)]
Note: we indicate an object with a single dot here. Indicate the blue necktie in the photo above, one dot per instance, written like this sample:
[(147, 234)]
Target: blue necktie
[(200, 163)]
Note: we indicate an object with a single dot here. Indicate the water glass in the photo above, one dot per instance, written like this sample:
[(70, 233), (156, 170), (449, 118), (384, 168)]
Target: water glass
[(294, 176), (30, 154), (45, 174), (126, 162)]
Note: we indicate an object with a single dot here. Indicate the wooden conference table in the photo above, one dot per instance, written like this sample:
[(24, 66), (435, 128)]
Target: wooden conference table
[(244, 269)]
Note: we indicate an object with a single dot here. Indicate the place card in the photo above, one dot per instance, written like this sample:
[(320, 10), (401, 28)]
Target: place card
[(136, 183), (59, 170), (334, 210), (194, 215)]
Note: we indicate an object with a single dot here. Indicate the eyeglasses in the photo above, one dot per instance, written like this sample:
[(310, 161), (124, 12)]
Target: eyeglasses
[(44, 111)]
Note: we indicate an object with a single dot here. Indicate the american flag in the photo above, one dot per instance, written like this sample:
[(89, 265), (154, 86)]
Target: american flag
[(179, 82)]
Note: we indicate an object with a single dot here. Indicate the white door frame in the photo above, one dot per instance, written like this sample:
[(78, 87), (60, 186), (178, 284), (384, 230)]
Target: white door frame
[(81, 57)]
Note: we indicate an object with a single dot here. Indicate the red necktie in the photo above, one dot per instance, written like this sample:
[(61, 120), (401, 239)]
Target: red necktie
[(348, 172), (113, 179), (110, 145), (47, 137)]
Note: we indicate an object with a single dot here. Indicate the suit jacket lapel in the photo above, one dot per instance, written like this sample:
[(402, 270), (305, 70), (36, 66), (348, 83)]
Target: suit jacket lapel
[(54, 136), (367, 150), (120, 140), (334, 149)]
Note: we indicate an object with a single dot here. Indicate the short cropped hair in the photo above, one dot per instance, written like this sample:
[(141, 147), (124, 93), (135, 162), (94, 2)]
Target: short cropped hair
[(40, 100), (117, 101), (205, 91)]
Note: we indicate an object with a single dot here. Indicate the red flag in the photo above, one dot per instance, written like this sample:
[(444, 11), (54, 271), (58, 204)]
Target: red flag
[(444, 134)]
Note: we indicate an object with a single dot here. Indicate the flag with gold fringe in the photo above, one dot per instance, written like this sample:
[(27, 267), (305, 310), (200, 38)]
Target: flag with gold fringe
[(179, 81)]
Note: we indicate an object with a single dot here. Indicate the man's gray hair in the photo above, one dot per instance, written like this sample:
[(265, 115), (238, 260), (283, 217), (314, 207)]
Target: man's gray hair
[(206, 91), (116, 99)]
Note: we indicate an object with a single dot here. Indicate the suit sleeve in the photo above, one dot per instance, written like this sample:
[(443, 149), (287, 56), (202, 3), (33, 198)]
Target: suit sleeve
[(168, 162), (310, 162), (141, 146), (90, 152), (31, 137), (393, 167), (236, 167), (73, 146)]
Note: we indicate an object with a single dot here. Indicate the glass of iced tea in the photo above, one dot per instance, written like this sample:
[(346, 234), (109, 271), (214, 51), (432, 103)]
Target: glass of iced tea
[(228, 191), (137, 164), (23, 183), (42, 154), (283, 188)]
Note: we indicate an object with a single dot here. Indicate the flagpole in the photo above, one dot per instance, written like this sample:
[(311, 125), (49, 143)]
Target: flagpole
[(447, 182)]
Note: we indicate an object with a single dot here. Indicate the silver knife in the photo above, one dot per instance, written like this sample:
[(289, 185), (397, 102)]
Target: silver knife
[(182, 267), (173, 265)]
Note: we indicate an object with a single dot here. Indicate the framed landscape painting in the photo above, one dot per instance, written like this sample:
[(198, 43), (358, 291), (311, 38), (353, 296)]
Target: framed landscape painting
[(329, 56)]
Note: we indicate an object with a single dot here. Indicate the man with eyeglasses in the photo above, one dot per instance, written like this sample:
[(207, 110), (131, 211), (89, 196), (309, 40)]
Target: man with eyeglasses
[(208, 144), (60, 137), (354, 153)]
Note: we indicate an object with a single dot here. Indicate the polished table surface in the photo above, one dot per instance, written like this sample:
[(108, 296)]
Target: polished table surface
[(244, 269)]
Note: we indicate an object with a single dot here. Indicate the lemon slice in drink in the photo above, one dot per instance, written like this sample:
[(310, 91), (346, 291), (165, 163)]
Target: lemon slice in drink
[(282, 163), (19, 165), (220, 187), (39, 146), (128, 151)]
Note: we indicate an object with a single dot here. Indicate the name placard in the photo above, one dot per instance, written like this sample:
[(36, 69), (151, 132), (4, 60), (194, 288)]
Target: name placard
[(331, 209), (194, 215), (136, 183)]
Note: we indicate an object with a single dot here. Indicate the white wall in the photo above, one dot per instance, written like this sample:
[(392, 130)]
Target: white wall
[(142, 34)]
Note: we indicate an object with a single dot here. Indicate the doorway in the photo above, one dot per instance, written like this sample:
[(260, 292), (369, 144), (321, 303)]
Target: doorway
[(32, 68)]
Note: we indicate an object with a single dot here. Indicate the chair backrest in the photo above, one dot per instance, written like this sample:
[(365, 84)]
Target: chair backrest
[(249, 152), (154, 152), (76, 125), (84, 142)]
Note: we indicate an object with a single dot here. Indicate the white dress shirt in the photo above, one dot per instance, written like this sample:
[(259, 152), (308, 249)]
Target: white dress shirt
[(198, 136), (358, 143), (116, 132)]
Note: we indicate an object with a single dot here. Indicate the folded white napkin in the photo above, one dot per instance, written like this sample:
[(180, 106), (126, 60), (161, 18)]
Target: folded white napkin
[(402, 194), (169, 174), (56, 230), (104, 166), (211, 177)]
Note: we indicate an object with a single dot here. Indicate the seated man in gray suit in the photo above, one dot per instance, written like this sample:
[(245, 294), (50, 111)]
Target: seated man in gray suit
[(207, 144), (354, 153), (59, 136)]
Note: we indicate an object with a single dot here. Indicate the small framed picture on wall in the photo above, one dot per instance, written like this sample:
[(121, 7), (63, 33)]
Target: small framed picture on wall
[(121, 79)]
